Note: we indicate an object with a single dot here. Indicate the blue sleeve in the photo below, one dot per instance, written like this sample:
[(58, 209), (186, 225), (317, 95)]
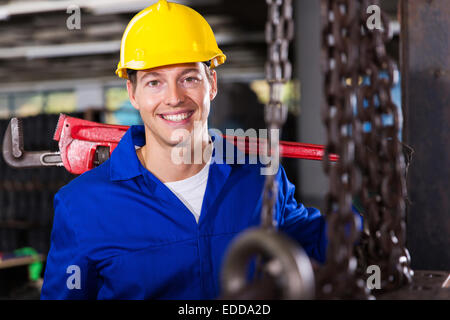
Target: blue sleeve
[(306, 225), (68, 273)]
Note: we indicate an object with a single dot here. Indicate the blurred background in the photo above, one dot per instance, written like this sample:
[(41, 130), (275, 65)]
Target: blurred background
[(47, 69)]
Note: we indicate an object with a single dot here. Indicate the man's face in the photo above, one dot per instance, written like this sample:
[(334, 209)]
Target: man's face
[(173, 97)]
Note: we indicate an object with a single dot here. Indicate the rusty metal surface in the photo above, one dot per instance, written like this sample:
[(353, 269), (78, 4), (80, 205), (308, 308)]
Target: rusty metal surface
[(359, 76), (426, 285), (287, 274), (425, 46), (279, 33), (341, 28)]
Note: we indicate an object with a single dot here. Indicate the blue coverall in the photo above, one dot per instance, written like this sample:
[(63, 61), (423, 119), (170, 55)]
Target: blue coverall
[(125, 235)]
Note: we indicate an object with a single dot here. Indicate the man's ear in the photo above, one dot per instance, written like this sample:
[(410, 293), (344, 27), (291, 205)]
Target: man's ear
[(213, 90), (131, 94)]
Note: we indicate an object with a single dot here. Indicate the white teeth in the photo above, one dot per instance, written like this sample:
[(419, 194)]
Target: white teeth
[(177, 117)]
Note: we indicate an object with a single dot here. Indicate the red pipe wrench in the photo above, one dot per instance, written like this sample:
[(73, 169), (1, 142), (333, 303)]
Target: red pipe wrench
[(85, 144)]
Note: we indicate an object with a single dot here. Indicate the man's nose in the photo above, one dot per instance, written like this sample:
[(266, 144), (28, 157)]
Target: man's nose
[(174, 95)]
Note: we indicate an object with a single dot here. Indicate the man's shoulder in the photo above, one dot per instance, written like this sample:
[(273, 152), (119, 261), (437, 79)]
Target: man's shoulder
[(89, 182)]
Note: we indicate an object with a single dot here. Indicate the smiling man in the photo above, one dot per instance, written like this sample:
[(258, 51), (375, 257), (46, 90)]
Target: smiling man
[(173, 100), (141, 226)]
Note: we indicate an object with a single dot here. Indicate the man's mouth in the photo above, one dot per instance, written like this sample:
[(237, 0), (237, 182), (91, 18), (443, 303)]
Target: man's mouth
[(179, 117)]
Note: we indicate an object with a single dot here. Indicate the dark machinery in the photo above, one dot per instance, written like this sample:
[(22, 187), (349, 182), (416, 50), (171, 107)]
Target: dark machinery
[(358, 77)]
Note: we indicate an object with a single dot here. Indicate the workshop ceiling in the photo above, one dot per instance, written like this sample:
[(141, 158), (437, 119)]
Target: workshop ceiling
[(36, 45)]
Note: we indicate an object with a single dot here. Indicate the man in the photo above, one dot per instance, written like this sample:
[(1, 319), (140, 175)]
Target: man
[(143, 226)]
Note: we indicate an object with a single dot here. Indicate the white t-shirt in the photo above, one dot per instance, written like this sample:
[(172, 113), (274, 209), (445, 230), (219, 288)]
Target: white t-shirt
[(191, 190)]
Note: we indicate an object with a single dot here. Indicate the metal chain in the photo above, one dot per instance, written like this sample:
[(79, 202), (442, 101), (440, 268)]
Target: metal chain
[(279, 32), (286, 280), (341, 35), (358, 78), (379, 155)]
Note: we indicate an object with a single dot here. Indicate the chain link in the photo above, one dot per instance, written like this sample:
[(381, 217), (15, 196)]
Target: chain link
[(279, 32), (359, 76), (383, 190), (341, 33)]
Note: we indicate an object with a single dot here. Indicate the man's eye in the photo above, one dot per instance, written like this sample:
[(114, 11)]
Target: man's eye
[(153, 83), (191, 79)]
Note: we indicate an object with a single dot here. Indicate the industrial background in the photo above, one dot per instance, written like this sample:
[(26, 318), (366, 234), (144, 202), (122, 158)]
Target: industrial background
[(47, 69)]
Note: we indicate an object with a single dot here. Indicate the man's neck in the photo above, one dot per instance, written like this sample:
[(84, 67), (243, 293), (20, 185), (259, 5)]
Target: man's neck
[(159, 159)]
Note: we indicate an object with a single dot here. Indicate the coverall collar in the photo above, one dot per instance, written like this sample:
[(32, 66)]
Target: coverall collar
[(124, 160), (125, 163)]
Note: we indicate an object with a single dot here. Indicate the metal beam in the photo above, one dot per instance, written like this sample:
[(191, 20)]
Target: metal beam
[(98, 7), (313, 183), (62, 50), (113, 46), (425, 41)]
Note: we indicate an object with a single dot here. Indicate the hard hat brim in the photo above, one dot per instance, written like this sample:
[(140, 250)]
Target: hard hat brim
[(121, 71)]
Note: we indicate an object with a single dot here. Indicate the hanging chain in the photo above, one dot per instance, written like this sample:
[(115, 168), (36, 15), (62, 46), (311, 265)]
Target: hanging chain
[(341, 35), (279, 32), (380, 156), (359, 76)]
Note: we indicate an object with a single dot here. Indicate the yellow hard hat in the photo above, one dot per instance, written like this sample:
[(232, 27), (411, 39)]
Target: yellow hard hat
[(167, 33)]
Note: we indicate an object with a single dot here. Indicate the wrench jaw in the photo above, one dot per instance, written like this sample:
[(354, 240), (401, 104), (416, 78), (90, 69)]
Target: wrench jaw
[(15, 155)]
